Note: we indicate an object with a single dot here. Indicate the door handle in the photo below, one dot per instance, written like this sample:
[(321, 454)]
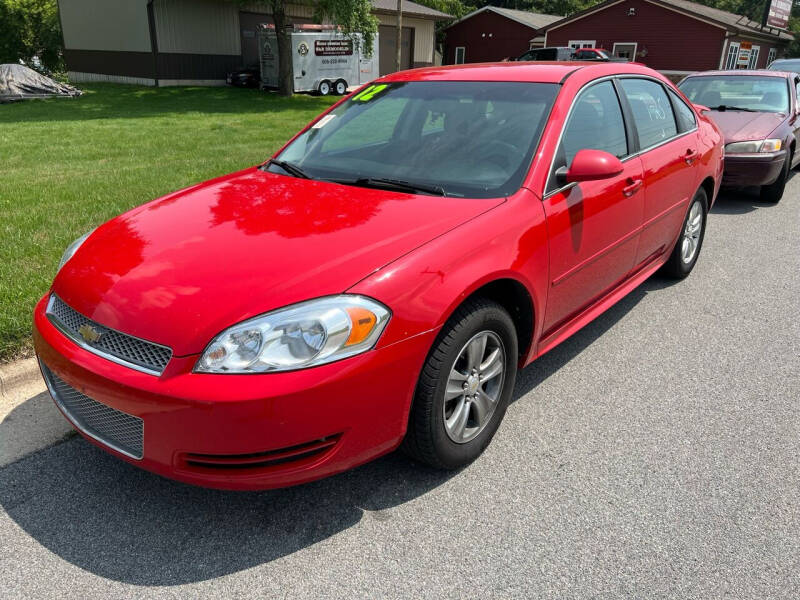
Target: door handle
[(690, 156), (632, 187)]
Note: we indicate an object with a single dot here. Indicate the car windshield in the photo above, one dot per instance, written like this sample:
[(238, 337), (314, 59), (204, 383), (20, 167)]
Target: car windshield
[(731, 92), (792, 66), (470, 139)]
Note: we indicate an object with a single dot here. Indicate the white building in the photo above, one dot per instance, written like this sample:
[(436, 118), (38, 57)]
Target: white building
[(175, 42)]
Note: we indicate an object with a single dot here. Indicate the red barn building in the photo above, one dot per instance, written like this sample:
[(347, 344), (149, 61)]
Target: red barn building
[(491, 34), (675, 37)]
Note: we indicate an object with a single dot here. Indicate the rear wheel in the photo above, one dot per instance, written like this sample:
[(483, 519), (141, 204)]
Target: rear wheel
[(340, 87), (324, 88), (687, 248), (774, 191), (464, 388)]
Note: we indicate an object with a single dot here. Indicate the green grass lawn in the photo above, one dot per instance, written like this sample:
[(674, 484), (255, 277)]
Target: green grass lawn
[(67, 165)]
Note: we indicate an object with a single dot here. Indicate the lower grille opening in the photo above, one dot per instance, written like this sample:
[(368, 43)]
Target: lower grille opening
[(258, 460), (114, 428)]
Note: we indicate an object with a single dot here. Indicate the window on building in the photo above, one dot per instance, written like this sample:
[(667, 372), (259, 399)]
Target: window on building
[(753, 64), (576, 44), (771, 56), (732, 56), (652, 111), (625, 50), (461, 52)]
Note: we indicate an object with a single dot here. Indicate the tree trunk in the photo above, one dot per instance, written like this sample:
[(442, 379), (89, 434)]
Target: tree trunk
[(399, 35), (285, 76)]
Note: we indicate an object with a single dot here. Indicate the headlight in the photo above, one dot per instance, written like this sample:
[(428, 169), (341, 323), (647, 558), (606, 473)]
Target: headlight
[(73, 248), (754, 146), (303, 335)]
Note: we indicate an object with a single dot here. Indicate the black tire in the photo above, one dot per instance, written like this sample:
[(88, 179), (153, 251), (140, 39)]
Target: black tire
[(340, 87), (324, 87), (427, 439), (774, 191), (676, 267)]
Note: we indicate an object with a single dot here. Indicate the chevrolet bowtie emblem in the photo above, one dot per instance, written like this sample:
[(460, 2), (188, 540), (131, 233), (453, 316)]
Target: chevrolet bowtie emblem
[(90, 333)]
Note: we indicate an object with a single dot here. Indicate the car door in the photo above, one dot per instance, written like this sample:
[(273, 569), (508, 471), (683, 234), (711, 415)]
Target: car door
[(592, 226), (794, 120), (668, 151)]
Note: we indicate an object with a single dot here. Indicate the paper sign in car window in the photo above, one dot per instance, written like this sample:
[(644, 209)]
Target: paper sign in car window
[(323, 121)]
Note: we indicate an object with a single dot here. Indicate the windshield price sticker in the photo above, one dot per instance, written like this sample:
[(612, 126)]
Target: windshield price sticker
[(369, 93)]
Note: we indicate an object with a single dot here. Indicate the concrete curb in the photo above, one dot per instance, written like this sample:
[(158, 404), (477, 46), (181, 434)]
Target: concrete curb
[(29, 420), (17, 374)]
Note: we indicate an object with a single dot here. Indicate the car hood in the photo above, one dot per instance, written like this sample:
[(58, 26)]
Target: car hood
[(180, 269), (741, 126)]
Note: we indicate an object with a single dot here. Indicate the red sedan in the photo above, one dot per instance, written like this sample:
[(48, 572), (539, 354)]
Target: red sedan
[(382, 278)]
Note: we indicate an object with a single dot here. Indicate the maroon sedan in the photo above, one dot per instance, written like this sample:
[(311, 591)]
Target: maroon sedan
[(757, 112)]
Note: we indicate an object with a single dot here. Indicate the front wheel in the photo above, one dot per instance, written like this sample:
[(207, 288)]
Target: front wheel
[(687, 248), (464, 388), (774, 191), (324, 88)]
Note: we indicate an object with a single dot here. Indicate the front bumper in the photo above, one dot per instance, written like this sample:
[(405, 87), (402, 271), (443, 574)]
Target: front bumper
[(247, 431), (752, 169)]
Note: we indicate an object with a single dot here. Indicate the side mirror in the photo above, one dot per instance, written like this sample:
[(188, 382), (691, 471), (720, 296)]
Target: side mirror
[(589, 165)]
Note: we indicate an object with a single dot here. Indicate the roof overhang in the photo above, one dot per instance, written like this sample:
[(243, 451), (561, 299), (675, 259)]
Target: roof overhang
[(732, 29), (488, 8)]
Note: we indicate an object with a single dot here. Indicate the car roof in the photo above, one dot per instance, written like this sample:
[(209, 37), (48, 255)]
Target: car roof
[(743, 72), (538, 71)]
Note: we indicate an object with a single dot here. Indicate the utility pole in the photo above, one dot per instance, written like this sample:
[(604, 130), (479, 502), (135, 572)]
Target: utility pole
[(399, 33)]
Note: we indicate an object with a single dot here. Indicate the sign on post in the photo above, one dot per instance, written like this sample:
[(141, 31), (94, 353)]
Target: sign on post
[(778, 14)]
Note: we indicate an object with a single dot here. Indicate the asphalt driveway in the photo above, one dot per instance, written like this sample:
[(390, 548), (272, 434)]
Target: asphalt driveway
[(653, 454)]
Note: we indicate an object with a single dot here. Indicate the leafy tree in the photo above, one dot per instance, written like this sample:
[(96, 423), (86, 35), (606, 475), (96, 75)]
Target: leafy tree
[(28, 29), (457, 8)]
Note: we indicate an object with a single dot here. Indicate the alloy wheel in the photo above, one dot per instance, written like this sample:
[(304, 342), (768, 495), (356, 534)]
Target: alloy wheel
[(692, 232), (474, 387)]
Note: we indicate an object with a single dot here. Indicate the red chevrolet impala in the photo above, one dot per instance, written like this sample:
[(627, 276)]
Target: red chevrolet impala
[(380, 280)]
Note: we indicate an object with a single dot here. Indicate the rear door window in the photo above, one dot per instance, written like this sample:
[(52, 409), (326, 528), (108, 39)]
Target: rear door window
[(683, 114), (652, 111)]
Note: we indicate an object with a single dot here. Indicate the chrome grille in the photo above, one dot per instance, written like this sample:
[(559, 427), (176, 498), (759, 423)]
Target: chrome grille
[(114, 345), (112, 427)]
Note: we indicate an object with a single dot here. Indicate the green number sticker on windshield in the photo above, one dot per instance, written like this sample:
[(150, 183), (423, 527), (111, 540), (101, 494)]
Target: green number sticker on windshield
[(369, 93)]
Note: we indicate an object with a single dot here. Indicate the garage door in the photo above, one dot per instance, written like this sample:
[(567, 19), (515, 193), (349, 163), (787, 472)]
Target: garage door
[(387, 35)]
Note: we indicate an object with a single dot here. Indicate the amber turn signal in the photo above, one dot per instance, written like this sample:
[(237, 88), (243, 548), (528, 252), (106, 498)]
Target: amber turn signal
[(362, 322)]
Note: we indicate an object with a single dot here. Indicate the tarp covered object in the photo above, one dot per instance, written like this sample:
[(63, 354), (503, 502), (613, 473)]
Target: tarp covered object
[(18, 82)]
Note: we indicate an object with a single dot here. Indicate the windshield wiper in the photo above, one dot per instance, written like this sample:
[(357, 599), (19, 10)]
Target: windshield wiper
[(397, 184), (290, 168), (724, 107)]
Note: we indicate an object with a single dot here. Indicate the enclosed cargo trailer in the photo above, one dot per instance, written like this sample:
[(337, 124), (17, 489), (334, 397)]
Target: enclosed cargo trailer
[(324, 60)]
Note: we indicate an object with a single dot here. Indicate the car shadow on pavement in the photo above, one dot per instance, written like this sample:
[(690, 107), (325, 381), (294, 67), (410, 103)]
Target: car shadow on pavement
[(119, 522), (739, 201)]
